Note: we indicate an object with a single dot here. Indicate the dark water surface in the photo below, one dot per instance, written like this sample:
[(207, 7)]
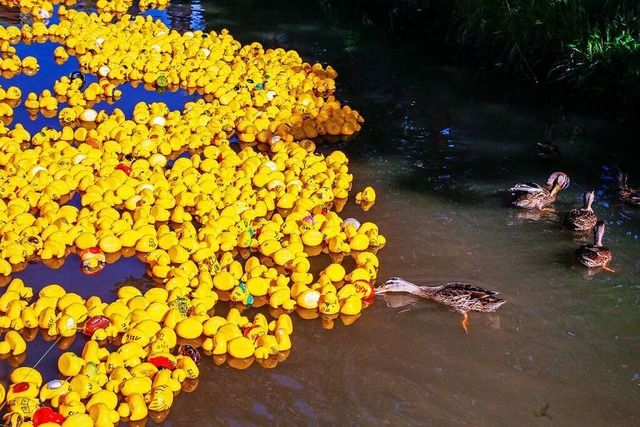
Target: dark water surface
[(441, 146)]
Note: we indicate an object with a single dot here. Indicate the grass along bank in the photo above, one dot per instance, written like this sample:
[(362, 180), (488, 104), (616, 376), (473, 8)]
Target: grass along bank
[(589, 50)]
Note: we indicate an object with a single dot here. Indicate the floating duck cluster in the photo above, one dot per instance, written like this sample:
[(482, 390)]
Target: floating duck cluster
[(583, 219), (212, 220)]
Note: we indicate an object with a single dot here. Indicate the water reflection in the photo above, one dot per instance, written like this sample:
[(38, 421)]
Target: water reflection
[(186, 16)]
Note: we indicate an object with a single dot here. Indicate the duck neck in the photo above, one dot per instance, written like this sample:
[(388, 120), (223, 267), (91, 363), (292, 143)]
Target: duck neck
[(597, 239), (424, 291), (421, 291), (588, 200)]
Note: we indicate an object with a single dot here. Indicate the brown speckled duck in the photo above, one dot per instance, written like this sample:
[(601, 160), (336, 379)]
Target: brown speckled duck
[(535, 196), (582, 219), (595, 255), (547, 149), (625, 193), (460, 296)]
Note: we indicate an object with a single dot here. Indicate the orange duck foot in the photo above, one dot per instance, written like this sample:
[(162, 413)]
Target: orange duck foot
[(465, 323)]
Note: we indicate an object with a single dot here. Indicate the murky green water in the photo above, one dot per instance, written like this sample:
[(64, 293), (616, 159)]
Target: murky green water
[(441, 146)]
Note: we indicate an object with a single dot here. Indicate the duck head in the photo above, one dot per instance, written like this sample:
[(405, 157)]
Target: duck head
[(558, 181), (396, 284)]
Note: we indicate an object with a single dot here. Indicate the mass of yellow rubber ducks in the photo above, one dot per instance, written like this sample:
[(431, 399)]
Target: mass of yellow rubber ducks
[(211, 219)]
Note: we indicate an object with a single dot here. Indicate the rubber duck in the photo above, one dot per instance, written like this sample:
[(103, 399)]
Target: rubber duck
[(366, 198), (104, 397), (69, 364), (240, 347), (30, 63), (595, 255), (139, 385), (70, 404), (137, 406), (462, 297), (582, 219), (13, 93), (77, 79), (83, 385), (32, 101), (21, 409), (24, 373), (161, 394), (189, 328), (45, 415), (534, 196), (93, 260), (329, 303), (13, 343), (241, 294)]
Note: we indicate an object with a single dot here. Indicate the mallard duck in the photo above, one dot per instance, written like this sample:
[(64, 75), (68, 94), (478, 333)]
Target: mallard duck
[(461, 296), (582, 219), (535, 196), (595, 255), (547, 149), (625, 193)]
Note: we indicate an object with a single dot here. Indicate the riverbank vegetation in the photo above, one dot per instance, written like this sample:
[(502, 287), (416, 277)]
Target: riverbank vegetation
[(588, 50)]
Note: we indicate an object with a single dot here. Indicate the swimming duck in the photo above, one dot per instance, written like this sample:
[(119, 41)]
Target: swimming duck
[(461, 296), (535, 196), (582, 219), (595, 255), (546, 148), (625, 193)]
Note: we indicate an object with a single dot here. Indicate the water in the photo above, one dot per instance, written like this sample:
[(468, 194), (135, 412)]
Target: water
[(441, 146)]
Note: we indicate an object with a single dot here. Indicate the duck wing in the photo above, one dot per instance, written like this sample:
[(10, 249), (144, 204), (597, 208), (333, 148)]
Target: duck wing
[(593, 256), (459, 289), (581, 219), (464, 297), (527, 187)]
